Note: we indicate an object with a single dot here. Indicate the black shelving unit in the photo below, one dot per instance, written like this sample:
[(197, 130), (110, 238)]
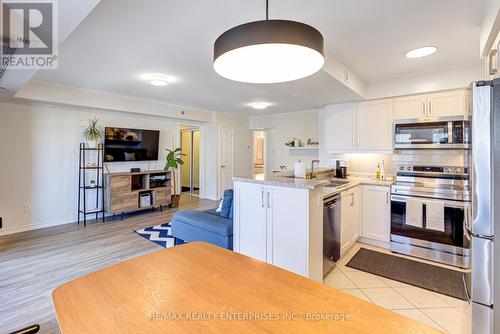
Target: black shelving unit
[(97, 169)]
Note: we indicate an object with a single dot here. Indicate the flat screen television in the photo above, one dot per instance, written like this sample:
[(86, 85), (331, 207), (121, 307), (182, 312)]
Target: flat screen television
[(121, 144)]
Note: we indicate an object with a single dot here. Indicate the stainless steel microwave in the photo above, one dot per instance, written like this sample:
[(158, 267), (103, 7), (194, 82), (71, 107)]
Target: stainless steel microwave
[(437, 133)]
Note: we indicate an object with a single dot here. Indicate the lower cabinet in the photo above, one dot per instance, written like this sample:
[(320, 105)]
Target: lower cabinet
[(271, 223), (250, 221), (376, 213), (350, 218)]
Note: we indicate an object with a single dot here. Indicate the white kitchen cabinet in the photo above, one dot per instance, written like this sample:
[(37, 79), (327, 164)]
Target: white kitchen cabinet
[(340, 127), (271, 225), (441, 104), (286, 218), (252, 220), (374, 125), (410, 107), (365, 126), (350, 219), (376, 213), (449, 103)]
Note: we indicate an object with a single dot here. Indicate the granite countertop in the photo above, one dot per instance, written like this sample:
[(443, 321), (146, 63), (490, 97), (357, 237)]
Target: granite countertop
[(286, 179), (354, 181), (283, 181)]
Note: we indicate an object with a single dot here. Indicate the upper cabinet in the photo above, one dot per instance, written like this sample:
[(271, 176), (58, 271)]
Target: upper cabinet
[(409, 107), (365, 126), (340, 127), (374, 125), (448, 103), (368, 126)]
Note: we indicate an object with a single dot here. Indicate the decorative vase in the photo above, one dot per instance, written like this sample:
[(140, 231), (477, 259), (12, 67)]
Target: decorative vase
[(175, 201), (92, 144)]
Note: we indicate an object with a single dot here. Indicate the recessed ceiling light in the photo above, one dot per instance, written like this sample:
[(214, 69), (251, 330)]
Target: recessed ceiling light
[(158, 79), (259, 105), (269, 51), (421, 52), (158, 82)]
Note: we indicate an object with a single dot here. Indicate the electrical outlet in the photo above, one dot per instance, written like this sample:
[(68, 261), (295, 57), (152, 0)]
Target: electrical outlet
[(27, 208)]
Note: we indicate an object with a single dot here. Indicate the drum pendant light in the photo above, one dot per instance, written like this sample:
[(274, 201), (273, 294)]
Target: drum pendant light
[(269, 51)]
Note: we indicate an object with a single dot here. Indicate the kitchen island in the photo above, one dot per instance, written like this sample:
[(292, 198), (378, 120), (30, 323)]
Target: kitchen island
[(278, 219)]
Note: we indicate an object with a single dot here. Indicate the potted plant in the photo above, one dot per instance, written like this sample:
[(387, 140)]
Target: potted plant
[(174, 161), (92, 133)]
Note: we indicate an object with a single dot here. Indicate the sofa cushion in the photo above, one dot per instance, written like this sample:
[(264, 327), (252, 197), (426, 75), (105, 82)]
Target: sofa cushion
[(211, 222), (227, 203)]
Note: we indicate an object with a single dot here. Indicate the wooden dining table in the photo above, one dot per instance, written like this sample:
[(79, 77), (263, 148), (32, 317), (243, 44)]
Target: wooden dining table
[(201, 288)]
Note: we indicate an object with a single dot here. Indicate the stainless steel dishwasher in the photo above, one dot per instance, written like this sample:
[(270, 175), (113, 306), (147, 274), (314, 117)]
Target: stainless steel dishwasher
[(331, 232)]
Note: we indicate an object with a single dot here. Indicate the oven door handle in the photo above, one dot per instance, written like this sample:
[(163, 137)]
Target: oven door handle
[(447, 203)]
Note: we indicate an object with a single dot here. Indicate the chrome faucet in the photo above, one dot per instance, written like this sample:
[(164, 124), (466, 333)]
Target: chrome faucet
[(312, 167)]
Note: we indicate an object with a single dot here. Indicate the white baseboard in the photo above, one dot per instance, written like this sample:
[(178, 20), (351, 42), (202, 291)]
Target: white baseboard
[(24, 228), (376, 243)]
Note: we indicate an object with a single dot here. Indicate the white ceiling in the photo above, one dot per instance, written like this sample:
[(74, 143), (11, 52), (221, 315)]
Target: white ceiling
[(122, 39)]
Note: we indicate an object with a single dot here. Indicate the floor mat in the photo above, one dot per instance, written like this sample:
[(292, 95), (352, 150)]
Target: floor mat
[(441, 280)]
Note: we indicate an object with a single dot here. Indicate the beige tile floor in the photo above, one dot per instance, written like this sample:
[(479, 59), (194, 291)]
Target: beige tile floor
[(445, 313)]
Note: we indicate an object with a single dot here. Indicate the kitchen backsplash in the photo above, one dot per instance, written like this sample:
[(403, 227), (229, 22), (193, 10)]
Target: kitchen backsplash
[(364, 163)]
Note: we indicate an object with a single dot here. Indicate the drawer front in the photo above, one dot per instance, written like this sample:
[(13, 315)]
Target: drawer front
[(124, 202), (162, 196), (120, 184)]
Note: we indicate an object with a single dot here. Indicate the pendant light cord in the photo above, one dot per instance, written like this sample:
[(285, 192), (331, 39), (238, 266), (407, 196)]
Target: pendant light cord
[(267, 10)]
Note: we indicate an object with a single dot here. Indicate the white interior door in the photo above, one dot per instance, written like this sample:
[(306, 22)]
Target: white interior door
[(225, 159)]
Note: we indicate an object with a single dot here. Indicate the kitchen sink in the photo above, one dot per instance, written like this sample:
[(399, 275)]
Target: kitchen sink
[(337, 183)]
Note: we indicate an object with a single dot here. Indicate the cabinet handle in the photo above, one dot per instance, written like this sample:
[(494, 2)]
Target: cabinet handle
[(387, 197), (262, 197), (423, 108), (358, 142), (491, 70), (268, 202), (352, 199), (430, 108)]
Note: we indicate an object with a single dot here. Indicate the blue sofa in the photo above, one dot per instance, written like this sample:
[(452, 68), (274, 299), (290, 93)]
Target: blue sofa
[(208, 226)]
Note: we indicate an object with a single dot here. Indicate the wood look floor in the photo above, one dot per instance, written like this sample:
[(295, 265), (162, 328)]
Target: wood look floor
[(33, 263)]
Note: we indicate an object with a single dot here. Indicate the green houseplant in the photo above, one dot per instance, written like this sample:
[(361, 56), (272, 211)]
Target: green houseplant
[(174, 161), (93, 132)]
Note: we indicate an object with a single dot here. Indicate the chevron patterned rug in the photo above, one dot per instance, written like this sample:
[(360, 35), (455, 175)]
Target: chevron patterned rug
[(161, 235)]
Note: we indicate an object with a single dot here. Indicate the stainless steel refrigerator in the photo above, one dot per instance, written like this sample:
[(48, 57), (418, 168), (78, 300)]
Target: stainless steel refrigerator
[(485, 206)]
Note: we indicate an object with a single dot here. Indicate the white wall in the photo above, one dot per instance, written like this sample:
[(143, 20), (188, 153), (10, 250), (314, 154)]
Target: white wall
[(39, 158), (39, 150), (302, 125), (444, 79), (61, 94), (490, 26)]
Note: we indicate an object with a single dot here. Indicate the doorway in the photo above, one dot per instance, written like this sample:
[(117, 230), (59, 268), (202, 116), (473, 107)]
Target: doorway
[(259, 152), (190, 170)]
